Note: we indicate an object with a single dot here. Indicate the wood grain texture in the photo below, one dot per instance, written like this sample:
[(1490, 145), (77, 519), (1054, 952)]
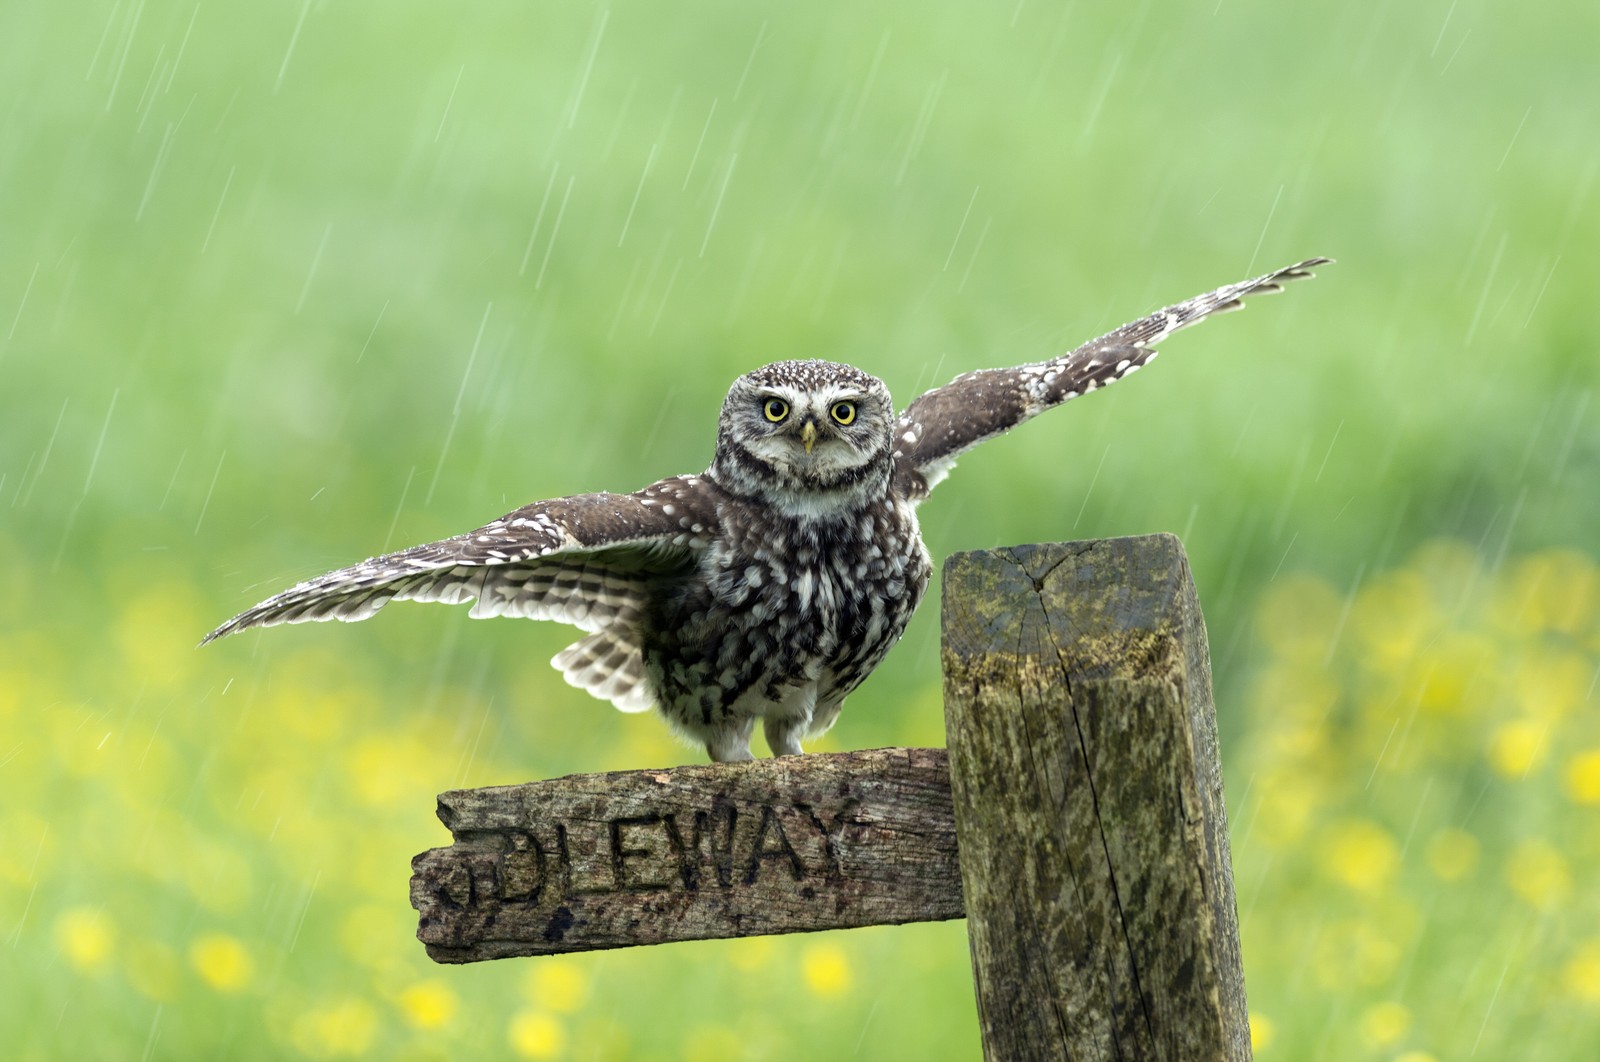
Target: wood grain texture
[(719, 850), (1088, 801)]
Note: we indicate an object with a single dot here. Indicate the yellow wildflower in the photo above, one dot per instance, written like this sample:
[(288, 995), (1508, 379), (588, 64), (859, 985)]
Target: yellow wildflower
[(826, 970), (86, 936), (221, 961), (536, 1034)]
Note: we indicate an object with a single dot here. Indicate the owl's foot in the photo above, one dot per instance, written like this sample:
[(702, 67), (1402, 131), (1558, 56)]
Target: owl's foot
[(731, 744), (783, 736)]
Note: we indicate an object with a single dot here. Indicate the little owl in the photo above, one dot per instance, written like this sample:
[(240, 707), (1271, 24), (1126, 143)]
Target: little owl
[(769, 586)]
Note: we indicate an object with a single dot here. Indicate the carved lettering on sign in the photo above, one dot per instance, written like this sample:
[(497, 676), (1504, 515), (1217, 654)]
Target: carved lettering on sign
[(710, 842), (521, 870), (718, 848), (601, 861)]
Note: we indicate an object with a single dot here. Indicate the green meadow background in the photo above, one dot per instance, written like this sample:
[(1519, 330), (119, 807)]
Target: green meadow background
[(285, 284)]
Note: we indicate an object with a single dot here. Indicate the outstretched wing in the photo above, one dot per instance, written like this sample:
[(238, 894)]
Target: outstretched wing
[(950, 420), (586, 560)]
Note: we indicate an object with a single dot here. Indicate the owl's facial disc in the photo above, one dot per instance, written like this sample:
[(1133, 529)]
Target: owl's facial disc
[(804, 435), (809, 433)]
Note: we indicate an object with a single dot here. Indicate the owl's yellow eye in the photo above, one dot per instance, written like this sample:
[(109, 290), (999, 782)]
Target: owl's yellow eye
[(843, 412), (775, 409)]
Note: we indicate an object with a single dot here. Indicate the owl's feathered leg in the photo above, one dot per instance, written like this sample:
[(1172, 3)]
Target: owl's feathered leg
[(730, 743), (793, 717), (784, 734)]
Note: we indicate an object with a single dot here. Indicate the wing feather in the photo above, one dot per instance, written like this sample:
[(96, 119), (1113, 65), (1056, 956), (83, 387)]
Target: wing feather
[(609, 665), (948, 421), (588, 560)]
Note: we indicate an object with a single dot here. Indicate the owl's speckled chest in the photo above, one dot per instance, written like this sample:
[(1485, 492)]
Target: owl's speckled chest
[(786, 614)]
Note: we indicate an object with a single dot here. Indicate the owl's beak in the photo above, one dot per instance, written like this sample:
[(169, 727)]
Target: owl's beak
[(808, 435)]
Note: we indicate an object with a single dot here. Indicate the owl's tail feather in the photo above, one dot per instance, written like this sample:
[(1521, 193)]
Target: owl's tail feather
[(609, 665)]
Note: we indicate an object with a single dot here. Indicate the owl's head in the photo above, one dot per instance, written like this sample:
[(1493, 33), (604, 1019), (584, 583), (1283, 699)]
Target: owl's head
[(812, 433)]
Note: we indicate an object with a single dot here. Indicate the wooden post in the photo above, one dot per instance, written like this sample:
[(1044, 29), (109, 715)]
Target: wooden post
[(1082, 785), (1088, 800)]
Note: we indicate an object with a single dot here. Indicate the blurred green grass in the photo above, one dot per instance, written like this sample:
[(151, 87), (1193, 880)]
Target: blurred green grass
[(281, 285)]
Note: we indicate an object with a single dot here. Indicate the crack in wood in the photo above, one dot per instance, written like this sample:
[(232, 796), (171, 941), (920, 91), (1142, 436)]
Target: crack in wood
[(1075, 706)]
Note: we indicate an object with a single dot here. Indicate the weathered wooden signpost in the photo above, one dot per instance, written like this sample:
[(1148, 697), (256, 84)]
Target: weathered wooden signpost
[(1076, 822)]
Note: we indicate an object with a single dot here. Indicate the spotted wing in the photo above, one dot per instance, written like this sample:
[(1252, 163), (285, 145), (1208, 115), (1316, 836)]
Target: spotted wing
[(948, 421), (591, 560)]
